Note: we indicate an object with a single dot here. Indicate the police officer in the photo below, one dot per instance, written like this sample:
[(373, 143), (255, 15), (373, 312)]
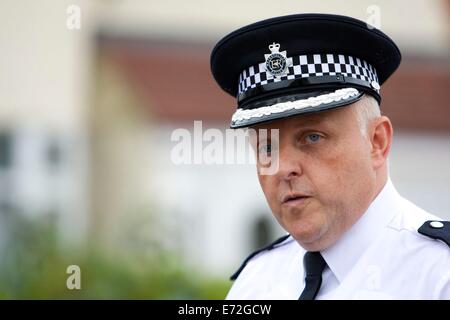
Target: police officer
[(316, 79)]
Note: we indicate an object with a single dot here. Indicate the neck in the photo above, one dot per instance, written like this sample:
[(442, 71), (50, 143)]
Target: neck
[(381, 177)]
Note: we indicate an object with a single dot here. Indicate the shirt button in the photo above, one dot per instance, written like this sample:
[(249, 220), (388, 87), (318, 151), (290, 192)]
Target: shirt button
[(436, 224)]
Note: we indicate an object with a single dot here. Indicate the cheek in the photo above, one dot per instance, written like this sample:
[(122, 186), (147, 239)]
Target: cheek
[(269, 188), (344, 177), (337, 171)]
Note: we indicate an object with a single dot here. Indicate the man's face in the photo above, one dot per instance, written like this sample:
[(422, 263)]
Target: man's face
[(325, 179)]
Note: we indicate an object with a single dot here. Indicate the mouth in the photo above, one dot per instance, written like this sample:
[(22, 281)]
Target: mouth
[(294, 199)]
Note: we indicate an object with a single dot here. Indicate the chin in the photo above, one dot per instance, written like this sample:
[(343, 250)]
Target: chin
[(311, 236)]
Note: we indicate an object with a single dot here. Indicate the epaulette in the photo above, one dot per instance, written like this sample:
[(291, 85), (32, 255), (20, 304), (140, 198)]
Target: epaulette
[(436, 230), (266, 248)]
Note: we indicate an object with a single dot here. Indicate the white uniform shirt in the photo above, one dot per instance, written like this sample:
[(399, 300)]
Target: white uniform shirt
[(382, 256)]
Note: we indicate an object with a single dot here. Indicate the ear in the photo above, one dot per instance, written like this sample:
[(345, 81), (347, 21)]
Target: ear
[(381, 140)]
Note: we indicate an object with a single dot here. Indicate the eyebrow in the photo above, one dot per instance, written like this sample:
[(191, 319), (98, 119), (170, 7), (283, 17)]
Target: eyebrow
[(310, 121), (300, 122)]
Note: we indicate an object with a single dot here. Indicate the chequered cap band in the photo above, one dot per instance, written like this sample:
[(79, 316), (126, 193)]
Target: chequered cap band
[(309, 65)]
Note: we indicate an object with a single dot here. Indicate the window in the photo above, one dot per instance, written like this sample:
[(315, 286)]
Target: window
[(5, 150), (262, 232), (54, 153)]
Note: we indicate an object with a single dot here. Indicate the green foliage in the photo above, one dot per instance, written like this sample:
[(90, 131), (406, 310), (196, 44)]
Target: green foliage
[(34, 264)]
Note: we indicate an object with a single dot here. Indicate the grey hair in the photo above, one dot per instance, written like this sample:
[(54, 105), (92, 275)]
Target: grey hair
[(366, 110)]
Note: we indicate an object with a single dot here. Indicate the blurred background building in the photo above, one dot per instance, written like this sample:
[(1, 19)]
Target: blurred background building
[(86, 117)]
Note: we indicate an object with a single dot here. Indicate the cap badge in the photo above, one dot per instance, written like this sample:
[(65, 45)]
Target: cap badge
[(276, 62)]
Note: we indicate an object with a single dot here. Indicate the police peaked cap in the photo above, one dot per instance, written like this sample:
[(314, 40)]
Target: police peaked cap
[(301, 63)]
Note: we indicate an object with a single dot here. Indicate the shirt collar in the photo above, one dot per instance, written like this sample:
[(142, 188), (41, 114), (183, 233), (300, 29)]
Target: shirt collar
[(344, 254)]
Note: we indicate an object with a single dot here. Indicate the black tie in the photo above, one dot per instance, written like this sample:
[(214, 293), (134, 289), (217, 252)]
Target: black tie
[(314, 265)]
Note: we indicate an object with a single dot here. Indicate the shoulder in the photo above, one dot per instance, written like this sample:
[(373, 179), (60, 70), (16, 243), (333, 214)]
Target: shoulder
[(436, 229), (437, 233), (415, 223), (267, 273), (418, 229), (422, 242), (281, 242)]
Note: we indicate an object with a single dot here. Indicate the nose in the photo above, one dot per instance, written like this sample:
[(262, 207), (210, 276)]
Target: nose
[(290, 162)]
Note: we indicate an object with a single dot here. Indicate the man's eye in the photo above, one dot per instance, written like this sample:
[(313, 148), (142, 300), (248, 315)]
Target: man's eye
[(312, 138), (265, 149)]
